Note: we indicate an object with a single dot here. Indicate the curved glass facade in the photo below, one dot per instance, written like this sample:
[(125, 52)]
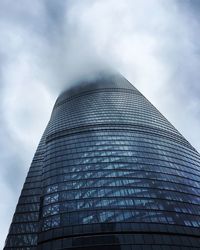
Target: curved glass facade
[(110, 173)]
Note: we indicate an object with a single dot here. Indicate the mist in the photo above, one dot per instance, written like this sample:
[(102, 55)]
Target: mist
[(47, 46)]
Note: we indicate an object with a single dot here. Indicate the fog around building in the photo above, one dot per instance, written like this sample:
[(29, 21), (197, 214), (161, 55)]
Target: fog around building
[(47, 46)]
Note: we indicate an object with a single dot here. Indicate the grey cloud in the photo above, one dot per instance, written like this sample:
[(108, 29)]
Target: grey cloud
[(48, 45)]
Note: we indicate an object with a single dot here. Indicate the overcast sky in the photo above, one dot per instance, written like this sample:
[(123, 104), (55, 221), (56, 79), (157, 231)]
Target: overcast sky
[(46, 45)]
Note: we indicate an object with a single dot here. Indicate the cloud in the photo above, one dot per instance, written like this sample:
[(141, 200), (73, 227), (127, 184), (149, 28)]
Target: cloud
[(48, 45)]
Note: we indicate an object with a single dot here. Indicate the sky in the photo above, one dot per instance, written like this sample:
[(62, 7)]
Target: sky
[(47, 45)]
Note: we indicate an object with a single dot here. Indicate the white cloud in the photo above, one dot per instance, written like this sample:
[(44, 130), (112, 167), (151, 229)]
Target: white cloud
[(45, 45)]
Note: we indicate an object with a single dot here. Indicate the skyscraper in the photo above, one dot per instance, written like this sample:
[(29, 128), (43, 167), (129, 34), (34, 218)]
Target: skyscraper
[(110, 172)]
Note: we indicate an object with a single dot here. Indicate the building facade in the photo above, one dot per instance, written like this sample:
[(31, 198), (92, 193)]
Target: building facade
[(110, 172)]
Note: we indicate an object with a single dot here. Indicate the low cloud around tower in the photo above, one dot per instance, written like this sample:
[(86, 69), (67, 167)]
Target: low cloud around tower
[(48, 45)]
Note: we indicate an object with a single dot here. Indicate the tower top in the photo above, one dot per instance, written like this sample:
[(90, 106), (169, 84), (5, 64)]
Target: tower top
[(102, 80)]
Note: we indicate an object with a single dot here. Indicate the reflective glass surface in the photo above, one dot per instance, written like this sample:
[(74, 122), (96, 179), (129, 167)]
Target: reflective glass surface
[(110, 173)]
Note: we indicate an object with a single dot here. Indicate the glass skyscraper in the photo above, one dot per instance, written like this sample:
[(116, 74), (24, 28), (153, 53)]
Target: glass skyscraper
[(110, 172)]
